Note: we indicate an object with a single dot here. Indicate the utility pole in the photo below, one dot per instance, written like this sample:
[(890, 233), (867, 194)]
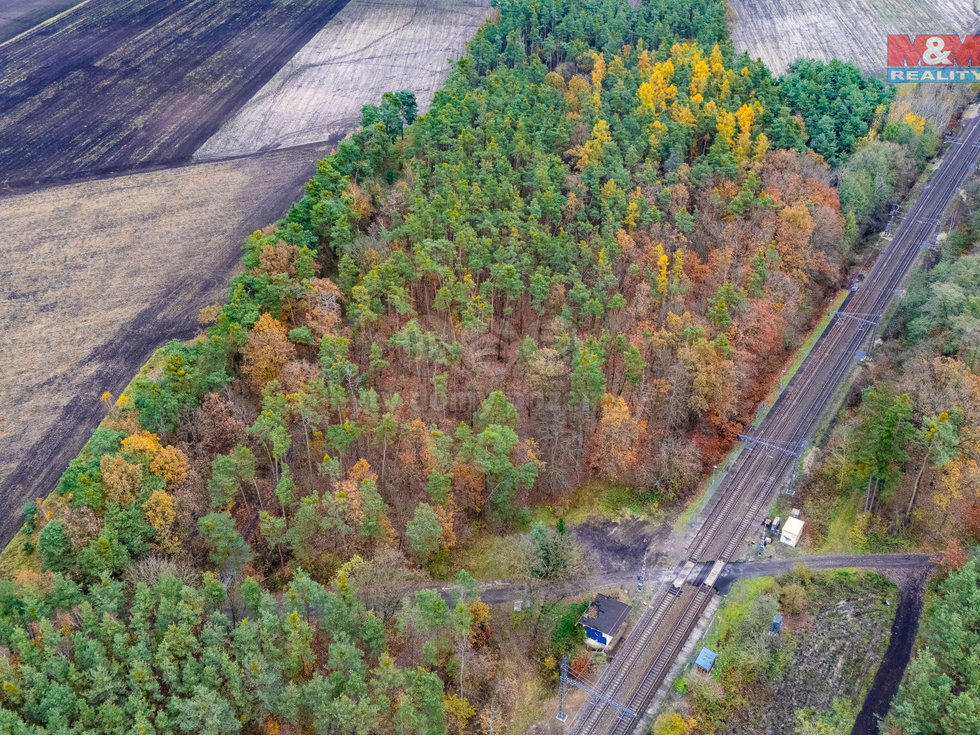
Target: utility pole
[(567, 677), (462, 653), (712, 625), (563, 691)]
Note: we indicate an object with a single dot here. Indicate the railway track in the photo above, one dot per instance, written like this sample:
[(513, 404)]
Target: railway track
[(665, 656), (770, 455)]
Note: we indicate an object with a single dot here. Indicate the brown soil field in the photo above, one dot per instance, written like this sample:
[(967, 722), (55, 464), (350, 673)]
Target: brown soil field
[(95, 275), (781, 31), (114, 85), (18, 16), (369, 48)]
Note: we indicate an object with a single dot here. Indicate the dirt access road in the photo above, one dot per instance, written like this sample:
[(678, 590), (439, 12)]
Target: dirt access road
[(887, 564), (897, 566), (888, 678), (116, 85)]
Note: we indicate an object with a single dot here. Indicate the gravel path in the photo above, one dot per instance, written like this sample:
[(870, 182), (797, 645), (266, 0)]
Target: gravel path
[(891, 565), (884, 563)]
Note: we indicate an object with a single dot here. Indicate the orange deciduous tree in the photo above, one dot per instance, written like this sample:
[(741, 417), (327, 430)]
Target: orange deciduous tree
[(618, 437), (278, 258), (171, 464), (220, 429), (142, 443), (267, 351), (121, 480), (161, 513)]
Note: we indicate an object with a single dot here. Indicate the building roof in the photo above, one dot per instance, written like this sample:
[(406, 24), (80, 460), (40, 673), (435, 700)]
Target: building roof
[(793, 526), (706, 659), (605, 615)]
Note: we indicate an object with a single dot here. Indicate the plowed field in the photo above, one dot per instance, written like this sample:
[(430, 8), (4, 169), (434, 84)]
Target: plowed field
[(95, 276), (369, 48), (114, 85), (781, 31)]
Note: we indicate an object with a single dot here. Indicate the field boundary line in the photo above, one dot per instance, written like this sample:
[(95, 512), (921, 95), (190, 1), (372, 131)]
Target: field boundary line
[(13, 191), (45, 22)]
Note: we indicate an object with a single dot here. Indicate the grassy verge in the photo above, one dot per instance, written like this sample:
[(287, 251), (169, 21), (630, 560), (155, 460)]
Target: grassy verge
[(846, 534), (839, 538), (708, 485), (735, 608), (605, 501), (490, 556), (487, 558)]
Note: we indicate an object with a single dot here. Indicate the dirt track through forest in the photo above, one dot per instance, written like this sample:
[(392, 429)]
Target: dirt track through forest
[(888, 678), (900, 566), (96, 275)]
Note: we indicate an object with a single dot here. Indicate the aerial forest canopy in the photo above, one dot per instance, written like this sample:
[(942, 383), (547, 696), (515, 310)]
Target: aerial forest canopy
[(585, 263)]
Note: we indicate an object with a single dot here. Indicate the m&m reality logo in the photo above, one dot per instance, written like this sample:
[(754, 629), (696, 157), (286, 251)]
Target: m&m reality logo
[(938, 58)]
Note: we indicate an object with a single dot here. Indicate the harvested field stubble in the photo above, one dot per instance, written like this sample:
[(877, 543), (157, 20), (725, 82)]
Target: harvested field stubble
[(781, 31), (95, 275), (369, 48), (114, 85)]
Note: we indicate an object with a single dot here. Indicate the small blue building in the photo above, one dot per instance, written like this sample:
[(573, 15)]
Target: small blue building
[(705, 660), (603, 621)]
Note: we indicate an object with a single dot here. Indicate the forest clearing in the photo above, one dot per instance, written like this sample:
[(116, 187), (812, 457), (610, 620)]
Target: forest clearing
[(781, 31), (817, 667), (143, 252), (80, 100), (369, 48)]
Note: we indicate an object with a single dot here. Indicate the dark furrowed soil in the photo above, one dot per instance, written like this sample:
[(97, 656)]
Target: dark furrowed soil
[(116, 85), (617, 547), (17, 16), (889, 676), (72, 327)]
